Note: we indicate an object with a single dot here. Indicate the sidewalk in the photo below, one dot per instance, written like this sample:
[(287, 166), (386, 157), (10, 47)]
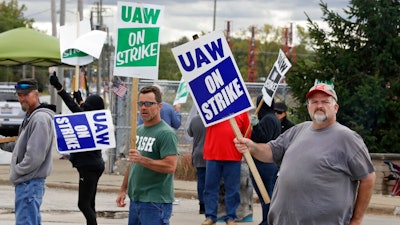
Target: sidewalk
[(66, 177)]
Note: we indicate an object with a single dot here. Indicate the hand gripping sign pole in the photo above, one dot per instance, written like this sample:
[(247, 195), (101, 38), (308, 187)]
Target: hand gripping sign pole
[(251, 164), (255, 113)]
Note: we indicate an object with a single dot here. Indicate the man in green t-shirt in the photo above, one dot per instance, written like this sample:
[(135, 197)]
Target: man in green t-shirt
[(148, 180)]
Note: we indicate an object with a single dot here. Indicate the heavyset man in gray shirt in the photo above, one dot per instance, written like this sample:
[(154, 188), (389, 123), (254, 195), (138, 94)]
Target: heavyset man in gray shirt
[(326, 175)]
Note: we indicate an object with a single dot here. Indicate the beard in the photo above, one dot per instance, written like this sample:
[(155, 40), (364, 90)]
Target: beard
[(25, 107), (319, 118), (149, 117)]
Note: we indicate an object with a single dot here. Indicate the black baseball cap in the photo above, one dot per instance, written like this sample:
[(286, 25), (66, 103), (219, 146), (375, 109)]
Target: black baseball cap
[(280, 107)]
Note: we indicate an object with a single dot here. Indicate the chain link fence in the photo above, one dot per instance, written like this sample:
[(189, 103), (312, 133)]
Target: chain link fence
[(121, 111)]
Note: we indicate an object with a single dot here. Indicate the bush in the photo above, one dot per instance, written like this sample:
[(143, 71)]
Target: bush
[(184, 169)]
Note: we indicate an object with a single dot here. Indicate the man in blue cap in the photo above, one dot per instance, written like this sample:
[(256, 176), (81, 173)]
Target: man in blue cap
[(31, 160)]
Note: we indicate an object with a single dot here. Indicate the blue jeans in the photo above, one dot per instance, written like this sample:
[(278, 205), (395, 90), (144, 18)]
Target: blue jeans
[(268, 173), (28, 199), (201, 182), (149, 213), (230, 172)]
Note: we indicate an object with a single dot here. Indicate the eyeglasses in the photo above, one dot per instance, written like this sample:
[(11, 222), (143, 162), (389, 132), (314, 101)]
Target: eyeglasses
[(22, 86), (147, 104), (278, 112)]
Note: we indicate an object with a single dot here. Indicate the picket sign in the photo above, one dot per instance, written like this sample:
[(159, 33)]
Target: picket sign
[(276, 75), (216, 86), (137, 50), (85, 131)]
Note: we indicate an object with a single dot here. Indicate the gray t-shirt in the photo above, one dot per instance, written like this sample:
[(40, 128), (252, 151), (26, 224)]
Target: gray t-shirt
[(318, 176), (197, 130)]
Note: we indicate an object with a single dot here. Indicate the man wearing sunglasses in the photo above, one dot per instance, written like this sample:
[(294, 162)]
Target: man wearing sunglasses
[(148, 180), (31, 160), (170, 114)]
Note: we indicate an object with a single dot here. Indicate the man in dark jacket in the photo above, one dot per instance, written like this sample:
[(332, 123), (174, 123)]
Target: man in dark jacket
[(90, 164), (280, 111), (268, 128)]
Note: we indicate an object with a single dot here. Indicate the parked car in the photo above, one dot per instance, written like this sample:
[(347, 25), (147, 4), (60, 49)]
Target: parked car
[(11, 114)]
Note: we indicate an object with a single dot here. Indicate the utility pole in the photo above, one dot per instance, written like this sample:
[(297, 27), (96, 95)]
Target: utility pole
[(62, 12), (80, 9), (215, 13), (100, 63), (288, 46), (53, 93), (53, 18), (60, 70), (228, 35)]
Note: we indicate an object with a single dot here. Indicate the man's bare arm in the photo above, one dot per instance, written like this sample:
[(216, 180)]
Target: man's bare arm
[(260, 151), (166, 165), (124, 186), (364, 194)]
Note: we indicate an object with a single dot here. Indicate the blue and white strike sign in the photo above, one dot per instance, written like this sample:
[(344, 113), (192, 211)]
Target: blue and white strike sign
[(217, 87), (277, 73), (86, 131)]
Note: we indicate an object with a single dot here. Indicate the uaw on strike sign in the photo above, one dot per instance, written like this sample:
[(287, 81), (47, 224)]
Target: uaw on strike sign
[(217, 88), (277, 73), (86, 131), (137, 49)]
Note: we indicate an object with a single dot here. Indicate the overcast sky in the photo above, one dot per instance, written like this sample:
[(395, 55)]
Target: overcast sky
[(188, 17)]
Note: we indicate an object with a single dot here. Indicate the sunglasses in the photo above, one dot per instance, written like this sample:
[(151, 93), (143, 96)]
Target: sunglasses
[(278, 112), (22, 86), (147, 104)]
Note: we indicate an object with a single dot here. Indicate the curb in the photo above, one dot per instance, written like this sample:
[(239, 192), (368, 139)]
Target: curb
[(179, 193), (376, 209)]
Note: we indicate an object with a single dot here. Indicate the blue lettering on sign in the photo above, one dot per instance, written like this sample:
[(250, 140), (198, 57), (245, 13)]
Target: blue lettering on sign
[(225, 93), (73, 133), (214, 51)]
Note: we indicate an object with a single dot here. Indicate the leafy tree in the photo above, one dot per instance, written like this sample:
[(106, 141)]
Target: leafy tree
[(12, 16), (362, 54), (168, 69)]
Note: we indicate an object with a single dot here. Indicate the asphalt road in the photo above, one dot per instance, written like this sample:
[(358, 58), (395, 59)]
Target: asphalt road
[(59, 208)]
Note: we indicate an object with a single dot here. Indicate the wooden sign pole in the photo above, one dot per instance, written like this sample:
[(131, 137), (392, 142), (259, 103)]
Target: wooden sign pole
[(8, 139), (134, 99), (251, 164)]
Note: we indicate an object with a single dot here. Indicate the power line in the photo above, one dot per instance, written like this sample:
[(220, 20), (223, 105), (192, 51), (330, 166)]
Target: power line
[(37, 13)]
